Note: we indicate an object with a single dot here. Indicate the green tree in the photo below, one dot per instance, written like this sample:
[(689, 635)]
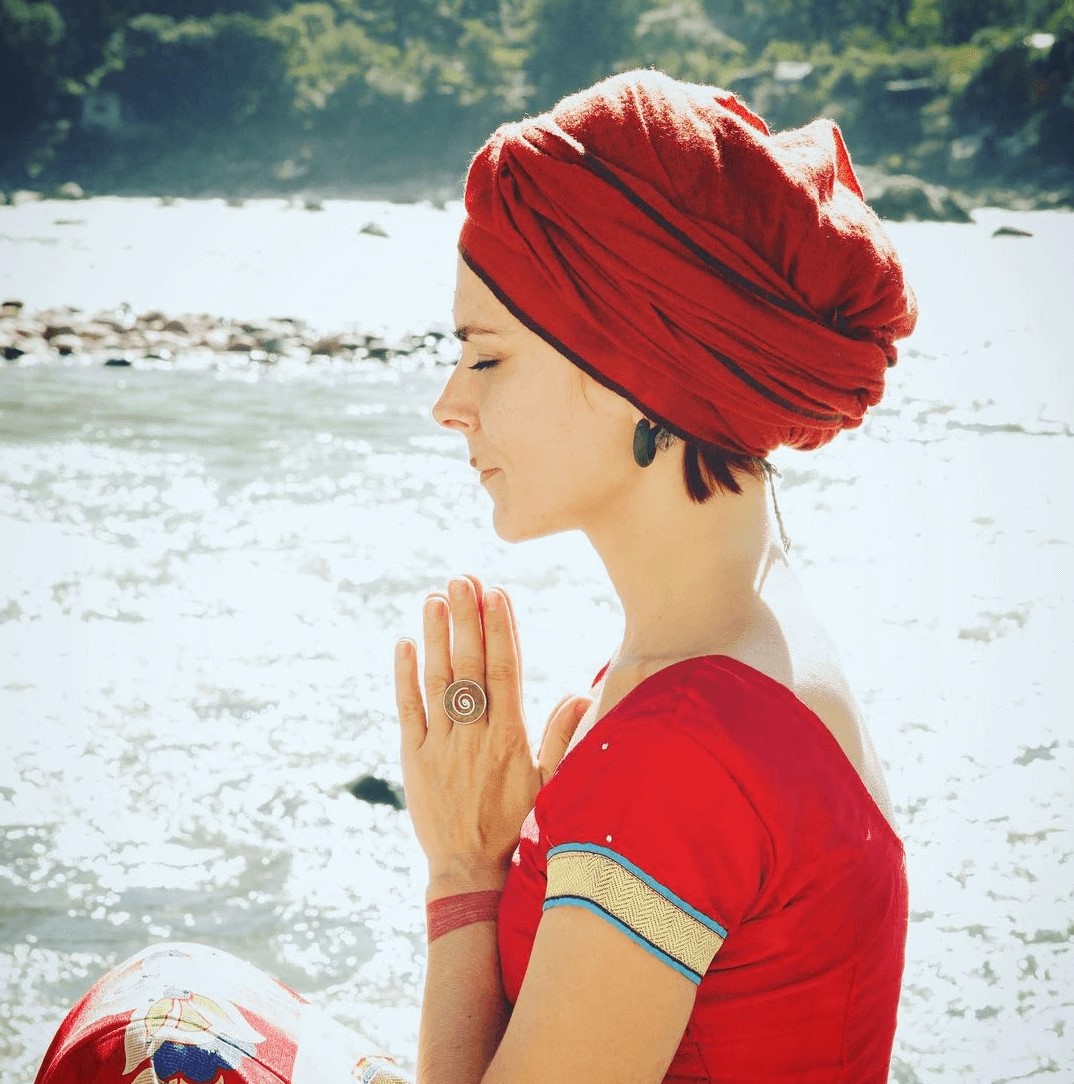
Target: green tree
[(31, 35), (224, 70), (574, 42)]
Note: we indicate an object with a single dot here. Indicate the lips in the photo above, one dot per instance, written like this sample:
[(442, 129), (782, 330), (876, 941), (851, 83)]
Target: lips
[(488, 473)]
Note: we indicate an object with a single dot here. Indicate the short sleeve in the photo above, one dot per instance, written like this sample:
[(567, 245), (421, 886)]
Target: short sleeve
[(649, 830)]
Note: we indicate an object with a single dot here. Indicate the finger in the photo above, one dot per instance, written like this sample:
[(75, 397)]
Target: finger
[(561, 728), (408, 700), (479, 590), (514, 630), (501, 664), (467, 641), (436, 629), (551, 717)]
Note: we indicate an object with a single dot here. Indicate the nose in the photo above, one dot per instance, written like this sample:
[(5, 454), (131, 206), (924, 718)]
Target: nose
[(454, 409)]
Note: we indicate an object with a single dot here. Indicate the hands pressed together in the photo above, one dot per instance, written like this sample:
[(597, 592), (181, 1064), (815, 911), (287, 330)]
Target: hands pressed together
[(469, 786)]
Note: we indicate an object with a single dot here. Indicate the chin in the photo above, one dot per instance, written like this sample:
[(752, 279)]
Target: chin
[(509, 530)]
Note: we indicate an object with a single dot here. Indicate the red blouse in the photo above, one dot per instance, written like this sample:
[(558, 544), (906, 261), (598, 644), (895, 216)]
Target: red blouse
[(714, 819)]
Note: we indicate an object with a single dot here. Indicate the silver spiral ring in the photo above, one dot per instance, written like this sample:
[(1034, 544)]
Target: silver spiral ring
[(464, 701)]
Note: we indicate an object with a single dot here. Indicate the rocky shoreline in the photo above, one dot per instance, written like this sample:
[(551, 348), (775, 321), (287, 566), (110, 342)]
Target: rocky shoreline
[(897, 197), (121, 338)]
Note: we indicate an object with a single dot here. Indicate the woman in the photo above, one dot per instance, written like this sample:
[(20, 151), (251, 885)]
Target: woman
[(698, 878)]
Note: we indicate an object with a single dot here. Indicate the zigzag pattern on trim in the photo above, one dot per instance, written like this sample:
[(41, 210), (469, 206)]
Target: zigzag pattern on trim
[(617, 891)]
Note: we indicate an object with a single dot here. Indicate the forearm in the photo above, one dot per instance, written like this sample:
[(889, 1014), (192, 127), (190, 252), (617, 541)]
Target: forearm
[(469, 787), (464, 1011)]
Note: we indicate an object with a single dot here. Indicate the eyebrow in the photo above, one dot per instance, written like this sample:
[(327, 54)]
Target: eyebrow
[(464, 333)]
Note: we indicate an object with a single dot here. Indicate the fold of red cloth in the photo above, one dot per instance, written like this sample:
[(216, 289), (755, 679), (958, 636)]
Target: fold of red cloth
[(731, 283)]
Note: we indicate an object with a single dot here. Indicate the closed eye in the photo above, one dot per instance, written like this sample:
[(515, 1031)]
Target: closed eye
[(485, 363)]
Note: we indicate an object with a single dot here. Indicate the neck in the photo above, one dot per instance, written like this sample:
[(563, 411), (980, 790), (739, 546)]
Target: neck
[(689, 576)]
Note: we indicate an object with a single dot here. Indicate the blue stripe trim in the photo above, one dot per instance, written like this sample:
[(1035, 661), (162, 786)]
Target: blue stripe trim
[(656, 886), (589, 905)]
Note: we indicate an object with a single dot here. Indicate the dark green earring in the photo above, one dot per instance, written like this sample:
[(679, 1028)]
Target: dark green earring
[(645, 443)]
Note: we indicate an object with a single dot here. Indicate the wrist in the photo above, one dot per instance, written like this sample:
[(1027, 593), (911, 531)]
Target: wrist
[(454, 879), (450, 913)]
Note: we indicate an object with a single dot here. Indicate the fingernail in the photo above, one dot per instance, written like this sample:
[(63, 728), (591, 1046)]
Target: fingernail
[(433, 605), (457, 589), (402, 648), (493, 598)]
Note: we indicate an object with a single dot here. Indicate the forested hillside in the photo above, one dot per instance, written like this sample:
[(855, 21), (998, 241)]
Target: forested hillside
[(273, 95)]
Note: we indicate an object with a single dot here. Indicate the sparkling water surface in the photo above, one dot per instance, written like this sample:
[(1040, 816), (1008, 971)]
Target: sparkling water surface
[(205, 568)]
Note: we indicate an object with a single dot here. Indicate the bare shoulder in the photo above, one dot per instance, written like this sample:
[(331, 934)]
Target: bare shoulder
[(823, 688), (789, 644)]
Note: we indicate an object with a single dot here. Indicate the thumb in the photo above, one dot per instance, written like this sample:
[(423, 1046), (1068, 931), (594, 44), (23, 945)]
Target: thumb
[(559, 730)]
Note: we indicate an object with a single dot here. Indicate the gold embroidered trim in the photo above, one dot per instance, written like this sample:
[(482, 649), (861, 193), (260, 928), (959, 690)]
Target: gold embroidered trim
[(378, 1069), (600, 880)]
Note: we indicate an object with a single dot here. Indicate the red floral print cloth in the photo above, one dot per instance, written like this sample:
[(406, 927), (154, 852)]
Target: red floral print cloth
[(188, 1014)]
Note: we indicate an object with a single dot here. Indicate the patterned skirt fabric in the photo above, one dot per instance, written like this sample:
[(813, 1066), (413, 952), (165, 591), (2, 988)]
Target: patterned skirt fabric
[(187, 1014)]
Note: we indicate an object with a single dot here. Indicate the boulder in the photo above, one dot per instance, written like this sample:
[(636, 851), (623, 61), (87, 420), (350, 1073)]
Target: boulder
[(24, 195), (240, 344), (12, 352), (119, 321), (215, 339), (377, 791), (901, 198), (53, 331), (1011, 231), (374, 229), (95, 331), (66, 345), (70, 190), (327, 344)]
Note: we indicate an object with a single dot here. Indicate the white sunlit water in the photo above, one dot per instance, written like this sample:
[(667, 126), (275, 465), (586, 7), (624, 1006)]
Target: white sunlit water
[(204, 570)]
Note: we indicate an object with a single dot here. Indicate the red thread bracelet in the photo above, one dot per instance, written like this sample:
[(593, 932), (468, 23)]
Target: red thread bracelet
[(452, 912)]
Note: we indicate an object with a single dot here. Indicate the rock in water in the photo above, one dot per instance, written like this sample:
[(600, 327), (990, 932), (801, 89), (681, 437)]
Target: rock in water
[(377, 791), (65, 345), (327, 344), (1011, 231), (70, 190), (374, 229), (54, 331)]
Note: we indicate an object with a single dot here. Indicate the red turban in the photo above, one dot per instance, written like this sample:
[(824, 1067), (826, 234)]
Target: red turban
[(730, 283)]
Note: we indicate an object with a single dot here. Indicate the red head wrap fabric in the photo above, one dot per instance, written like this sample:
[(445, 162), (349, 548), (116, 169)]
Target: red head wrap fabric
[(731, 283)]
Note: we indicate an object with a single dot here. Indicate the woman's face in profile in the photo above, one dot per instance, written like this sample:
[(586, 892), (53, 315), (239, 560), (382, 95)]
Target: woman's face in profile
[(554, 446)]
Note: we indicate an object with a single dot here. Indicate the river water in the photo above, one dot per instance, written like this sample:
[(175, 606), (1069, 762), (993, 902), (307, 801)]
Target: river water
[(205, 567)]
